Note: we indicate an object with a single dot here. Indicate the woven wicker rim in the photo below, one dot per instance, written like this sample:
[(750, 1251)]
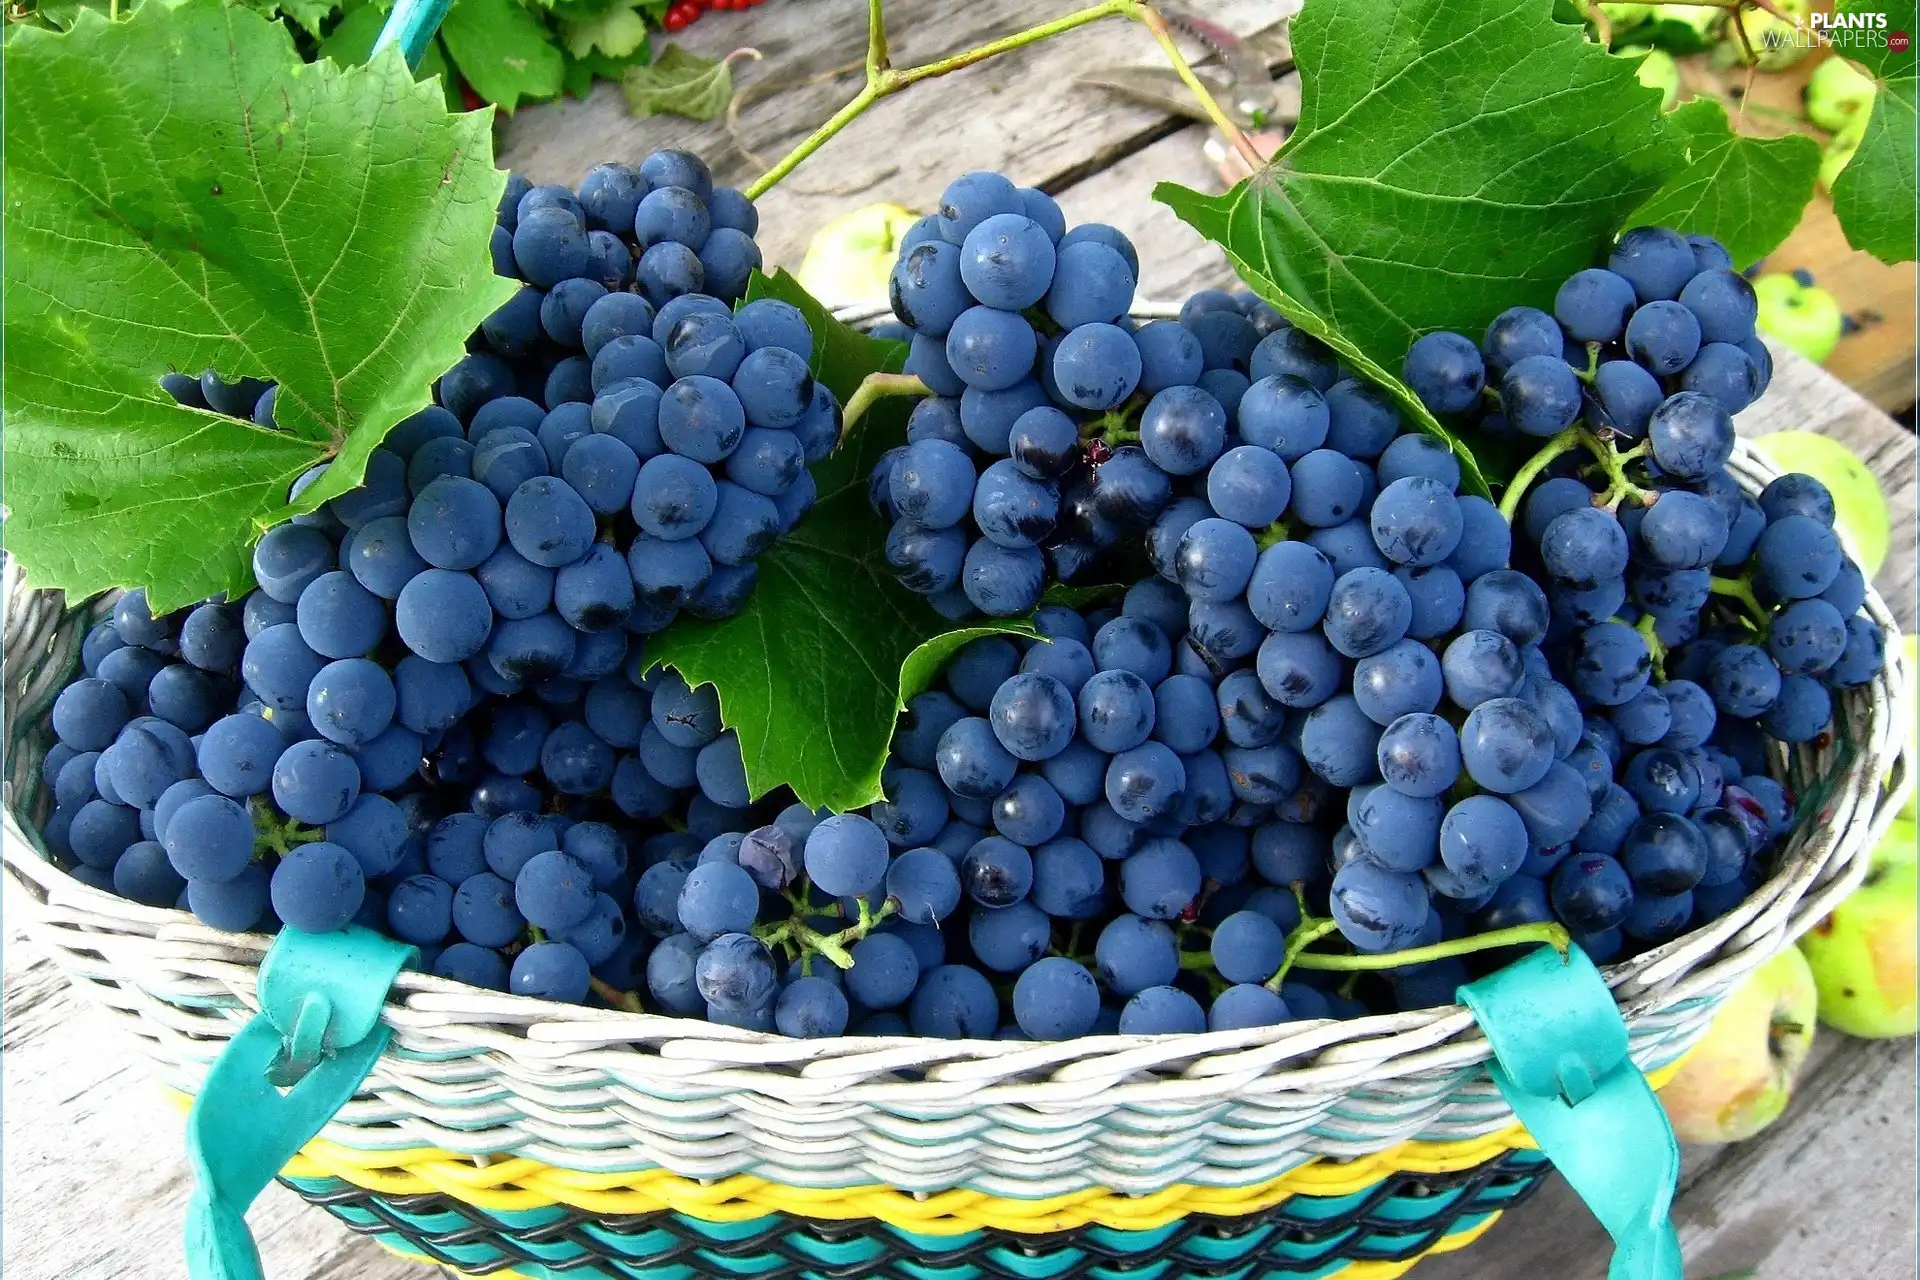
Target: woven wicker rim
[(1309, 1088)]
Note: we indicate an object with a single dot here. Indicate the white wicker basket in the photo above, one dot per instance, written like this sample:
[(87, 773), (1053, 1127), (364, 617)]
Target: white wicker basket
[(474, 1072)]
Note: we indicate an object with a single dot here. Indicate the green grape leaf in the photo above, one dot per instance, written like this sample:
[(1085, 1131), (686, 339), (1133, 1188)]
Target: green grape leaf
[(680, 84), (504, 51), (618, 32), (1876, 195), (1451, 161), (813, 673), (1748, 192), (183, 193)]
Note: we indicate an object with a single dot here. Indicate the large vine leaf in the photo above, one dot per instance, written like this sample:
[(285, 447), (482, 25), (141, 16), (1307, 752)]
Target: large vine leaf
[(1451, 160), (184, 193), (1875, 196), (504, 51), (1749, 192), (813, 673)]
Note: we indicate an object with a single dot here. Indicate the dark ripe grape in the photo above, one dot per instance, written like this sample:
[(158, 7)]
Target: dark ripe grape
[(1293, 352), (1044, 443), (1625, 396), (1540, 394), (1797, 557), (1664, 337), (1692, 435), (1593, 305), (1726, 374), (1656, 261), (1445, 370), (1183, 429), (1682, 531), (1724, 304), (1797, 494), (1519, 332)]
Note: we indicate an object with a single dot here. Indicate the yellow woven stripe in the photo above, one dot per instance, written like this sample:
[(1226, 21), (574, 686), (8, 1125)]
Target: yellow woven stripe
[(524, 1184), (1352, 1271)]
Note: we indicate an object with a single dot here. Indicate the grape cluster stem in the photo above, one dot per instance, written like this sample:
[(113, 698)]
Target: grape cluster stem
[(1310, 930), (1741, 589), (873, 388), (883, 79), (271, 835), (801, 939), (1613, 461)]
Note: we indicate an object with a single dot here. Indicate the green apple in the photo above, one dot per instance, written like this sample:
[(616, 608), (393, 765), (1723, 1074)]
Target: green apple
[(851, 258), (1805, 317), (1657, 70), (1863, 955), (1857, 501), (1738, 1079), (1838, 93)]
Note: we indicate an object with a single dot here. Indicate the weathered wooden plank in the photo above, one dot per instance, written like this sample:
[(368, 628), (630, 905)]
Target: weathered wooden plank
[(1022, 113)]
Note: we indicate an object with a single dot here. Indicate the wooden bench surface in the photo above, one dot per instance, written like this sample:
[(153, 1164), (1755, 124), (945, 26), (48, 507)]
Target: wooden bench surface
[(96, 1180)]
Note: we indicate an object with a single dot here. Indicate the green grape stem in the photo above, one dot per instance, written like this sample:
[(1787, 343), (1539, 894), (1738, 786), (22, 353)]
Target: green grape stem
[(1272, 534), (1656, 649), (1304, 935), (1613, 463), (800, 939), (1566, 442), (871, 389), (1552, 935), (1593, 364), (272, 834), (1221, 121), (625, 1000), (884, 80), (1741, 589)]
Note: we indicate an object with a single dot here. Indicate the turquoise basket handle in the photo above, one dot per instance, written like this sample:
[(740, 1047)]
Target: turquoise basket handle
[(279, 1081), (411, 25), (1561, 1062)]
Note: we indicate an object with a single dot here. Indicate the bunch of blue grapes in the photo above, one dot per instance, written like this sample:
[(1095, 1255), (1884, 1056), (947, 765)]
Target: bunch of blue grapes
[(1755, 599), (1340, 702), (320, 754), (1059, 426), (619, 398)]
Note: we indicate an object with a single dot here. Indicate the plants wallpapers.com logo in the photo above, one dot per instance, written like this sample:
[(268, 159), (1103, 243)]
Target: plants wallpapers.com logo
[(1839, 31)]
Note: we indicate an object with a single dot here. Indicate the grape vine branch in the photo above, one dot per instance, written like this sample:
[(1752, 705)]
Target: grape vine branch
[(883, 79)]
